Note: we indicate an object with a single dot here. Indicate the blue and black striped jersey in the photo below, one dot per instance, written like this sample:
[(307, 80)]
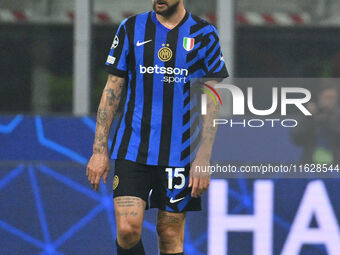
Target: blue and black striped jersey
[(158, 64)]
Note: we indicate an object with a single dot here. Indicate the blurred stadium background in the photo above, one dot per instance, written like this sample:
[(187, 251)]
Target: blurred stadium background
[(47, 206)]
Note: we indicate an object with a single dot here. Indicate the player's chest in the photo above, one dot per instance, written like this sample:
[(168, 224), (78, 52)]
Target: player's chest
[(165, 50)]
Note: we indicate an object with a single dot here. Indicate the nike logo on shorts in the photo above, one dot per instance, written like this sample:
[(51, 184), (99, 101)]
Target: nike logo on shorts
[(172, 201)]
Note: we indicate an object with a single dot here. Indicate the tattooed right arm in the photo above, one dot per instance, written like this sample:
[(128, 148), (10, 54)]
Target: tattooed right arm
[(99, 164), (106, 112)]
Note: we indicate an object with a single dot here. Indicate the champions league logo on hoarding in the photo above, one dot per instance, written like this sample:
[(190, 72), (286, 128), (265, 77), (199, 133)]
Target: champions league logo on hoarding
[(240, 101)]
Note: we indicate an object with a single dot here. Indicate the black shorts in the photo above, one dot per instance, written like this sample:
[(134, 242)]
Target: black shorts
[(165, 187)]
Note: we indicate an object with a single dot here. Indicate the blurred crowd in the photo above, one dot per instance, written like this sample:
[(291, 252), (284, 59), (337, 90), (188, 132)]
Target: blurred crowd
[(319, 134)]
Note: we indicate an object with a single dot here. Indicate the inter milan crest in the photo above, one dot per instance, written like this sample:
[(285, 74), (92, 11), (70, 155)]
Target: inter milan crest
[(188, 43), (165, 53), (115, 182)]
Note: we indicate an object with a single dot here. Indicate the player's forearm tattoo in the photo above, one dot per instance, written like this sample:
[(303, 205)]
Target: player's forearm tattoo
[(99, 147), (102, 116), (110, 96), (107, 111), (100, 137)]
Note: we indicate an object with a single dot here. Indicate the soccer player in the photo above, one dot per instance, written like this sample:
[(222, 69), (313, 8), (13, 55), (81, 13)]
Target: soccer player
[(154, 56)]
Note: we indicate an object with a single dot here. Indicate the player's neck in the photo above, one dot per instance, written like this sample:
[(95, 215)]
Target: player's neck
[(173, 20)]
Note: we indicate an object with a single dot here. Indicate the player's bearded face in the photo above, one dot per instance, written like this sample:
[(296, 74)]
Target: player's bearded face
[(165, 7)]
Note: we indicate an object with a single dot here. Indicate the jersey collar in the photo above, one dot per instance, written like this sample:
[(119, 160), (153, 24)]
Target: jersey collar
[(156, 21)]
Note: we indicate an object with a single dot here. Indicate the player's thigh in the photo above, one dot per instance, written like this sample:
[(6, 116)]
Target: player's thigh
[(129, 212), (131, 187), (170, 226), (131, 180)]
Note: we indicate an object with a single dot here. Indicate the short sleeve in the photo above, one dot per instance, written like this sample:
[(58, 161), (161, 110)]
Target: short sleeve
[(214, 61), (116, 62)]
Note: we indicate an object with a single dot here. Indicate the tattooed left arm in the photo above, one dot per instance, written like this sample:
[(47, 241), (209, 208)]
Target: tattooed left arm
[(199, 180)]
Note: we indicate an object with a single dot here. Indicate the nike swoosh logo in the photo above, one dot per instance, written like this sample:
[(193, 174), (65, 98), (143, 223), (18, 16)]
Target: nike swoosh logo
[(172, 201), (142, 43)]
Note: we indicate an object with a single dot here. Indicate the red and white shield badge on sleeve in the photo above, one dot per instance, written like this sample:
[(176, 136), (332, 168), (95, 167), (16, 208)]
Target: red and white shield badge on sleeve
[(188, 43)]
